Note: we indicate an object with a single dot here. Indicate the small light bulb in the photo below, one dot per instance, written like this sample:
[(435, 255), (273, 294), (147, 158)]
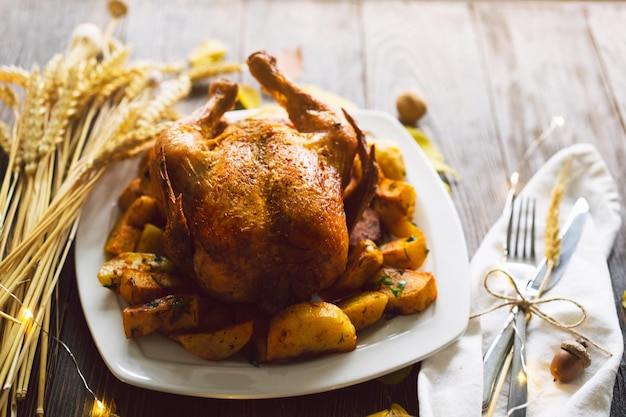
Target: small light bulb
[(558, 121), (28, 314), (98, 408)]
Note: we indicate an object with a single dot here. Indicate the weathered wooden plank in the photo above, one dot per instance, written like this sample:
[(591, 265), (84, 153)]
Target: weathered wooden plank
[(28, 38), (327, 34), (542, 62), (609, 35), (170, 31), (607, 31), (407, 47)]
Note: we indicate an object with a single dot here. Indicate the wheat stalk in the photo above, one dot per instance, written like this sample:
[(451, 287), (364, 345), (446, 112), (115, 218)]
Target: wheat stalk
[(86, 109), (552, 238)]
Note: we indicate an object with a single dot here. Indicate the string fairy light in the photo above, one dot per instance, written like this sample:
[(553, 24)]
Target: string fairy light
[(555, 123), (86, 109), (28, 314), (99, 408)]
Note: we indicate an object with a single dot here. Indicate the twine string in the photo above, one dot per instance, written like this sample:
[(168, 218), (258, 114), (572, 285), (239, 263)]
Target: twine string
[(531, 307)]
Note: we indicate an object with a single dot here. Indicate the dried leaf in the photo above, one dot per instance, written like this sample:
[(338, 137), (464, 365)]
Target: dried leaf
[(248, 96), (432, 152), (396, 410), (209, 51)]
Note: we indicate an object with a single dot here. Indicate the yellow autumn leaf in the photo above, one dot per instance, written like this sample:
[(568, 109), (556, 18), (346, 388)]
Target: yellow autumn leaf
[(210, 50), (396, 410), (248, 96), (430, 149)]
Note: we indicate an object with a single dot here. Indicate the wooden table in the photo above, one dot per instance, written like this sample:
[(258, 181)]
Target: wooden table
[(493, 74)]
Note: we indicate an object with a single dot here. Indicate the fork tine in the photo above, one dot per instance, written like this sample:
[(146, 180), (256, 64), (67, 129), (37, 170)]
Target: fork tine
[(509, 230), (520, 241), (517, 232), (526, 209), (532, 230)]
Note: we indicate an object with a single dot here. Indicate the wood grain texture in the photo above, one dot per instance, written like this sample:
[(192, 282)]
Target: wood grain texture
[(406, 48), (493, 74), (609, 37), (326, 33)]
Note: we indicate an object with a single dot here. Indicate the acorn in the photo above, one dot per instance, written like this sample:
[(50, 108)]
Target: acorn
[(570, 360), (411, 107), (117, 8)]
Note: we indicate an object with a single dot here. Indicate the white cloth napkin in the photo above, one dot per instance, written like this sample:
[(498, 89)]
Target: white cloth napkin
[(450, 382)]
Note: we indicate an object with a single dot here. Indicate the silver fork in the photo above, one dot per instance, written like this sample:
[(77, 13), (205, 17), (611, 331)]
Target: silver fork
[(520, 261)]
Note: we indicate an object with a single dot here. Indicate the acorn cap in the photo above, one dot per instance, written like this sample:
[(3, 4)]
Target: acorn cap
[(577, 349)]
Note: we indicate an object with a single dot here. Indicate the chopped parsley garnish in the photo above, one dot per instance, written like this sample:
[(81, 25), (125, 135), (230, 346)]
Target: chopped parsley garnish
[(395, 288)]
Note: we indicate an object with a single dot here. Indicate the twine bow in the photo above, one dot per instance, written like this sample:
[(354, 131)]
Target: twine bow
[(531, 306)]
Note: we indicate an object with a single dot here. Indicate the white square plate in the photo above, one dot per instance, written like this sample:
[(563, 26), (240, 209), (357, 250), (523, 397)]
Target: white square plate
[(157, 363)]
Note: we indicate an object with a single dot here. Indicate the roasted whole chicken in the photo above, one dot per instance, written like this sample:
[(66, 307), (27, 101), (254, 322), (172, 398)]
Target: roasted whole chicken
[(259, 210)]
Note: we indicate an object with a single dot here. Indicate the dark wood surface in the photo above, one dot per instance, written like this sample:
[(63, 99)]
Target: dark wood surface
[(493, 74)]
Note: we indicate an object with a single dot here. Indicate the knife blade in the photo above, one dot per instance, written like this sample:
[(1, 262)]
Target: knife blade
[(496, 353), (518, 392)]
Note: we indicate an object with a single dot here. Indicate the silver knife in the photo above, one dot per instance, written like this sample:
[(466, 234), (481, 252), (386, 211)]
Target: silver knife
[(496, 353), (518, 393)]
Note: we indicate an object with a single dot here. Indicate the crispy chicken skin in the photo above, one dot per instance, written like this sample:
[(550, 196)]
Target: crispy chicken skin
[(255, 208)]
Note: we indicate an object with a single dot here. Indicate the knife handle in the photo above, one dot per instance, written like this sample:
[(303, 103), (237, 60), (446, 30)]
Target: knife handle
[(518, 389), (495, 356)]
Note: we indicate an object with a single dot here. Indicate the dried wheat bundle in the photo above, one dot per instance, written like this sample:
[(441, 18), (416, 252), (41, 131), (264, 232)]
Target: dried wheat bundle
[(68, 122), (552, 238)]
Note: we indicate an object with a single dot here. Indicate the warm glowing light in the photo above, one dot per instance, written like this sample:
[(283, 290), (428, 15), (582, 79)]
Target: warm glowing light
[(28, 315), (514, 178), (558, 121), (98, 408), (521, 377)]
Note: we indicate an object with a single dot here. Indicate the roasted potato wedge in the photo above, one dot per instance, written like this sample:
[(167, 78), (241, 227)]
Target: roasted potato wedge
[(140, 212), (126, 233), (394, 198), (364, 309), (405, 253), (389, 159), (408, 291), (219, 344), (173, 313), (151, 240), (364, 259), (110, 273), (309, 329), (123, 238), (402, 227), (137, 287), (131, 193)]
